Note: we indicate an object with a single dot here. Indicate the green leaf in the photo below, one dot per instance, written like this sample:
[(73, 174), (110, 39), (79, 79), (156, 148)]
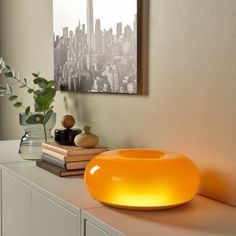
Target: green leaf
[(37, 92), (35, 75), (8, 74), (13, 97), (27, 110), (40, 80), (43, 86), (41, 103), (8, 67), (30, 90), (51, 83), (36, 81), (49, 93), (35, 119), (2, 87), (47, 117), (17, 104)]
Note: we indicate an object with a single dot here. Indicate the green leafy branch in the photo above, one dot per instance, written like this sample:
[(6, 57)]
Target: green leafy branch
[(43, 95)]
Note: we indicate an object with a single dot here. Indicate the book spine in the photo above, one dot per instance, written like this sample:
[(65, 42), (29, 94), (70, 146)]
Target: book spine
[(86, 151), (56, 170), (72, 173), (74, 151), (76, 165), (68, 158), (54, 148), (54, 154), (54, 161), (48, 168)]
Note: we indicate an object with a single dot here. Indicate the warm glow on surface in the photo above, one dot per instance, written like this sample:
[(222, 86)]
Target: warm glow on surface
[(142, 179)]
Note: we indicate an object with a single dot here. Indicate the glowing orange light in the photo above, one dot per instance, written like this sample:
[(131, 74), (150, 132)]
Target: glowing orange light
[(142, 179)]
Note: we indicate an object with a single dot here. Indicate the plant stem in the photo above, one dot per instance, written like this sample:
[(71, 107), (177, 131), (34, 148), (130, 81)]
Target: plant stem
[(44, 128), (45, 133), (19, 81)]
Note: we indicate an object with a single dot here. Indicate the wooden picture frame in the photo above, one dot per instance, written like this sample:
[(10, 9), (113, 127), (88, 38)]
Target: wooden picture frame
[(143, 46)]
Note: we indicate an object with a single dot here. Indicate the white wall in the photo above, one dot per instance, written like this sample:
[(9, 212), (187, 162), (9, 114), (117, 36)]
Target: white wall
[(192, 85)]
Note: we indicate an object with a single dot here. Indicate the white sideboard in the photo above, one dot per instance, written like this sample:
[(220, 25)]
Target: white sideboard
[(8, 154), (27, 212), (38, 203)]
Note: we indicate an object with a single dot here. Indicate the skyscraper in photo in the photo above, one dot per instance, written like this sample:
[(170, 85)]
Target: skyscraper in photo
[(98, 36), (118, 30), (90, 25), (97, 26), (65, 32)]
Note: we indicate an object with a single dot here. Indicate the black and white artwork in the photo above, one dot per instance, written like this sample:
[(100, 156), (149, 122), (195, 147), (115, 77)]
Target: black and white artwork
[(95, 46)]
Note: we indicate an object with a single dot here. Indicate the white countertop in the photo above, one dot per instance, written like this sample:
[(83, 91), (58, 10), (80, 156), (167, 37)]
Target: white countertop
[(9, 151)]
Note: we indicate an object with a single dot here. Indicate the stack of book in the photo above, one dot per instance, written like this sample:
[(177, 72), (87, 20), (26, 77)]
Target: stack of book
[(65, 160)]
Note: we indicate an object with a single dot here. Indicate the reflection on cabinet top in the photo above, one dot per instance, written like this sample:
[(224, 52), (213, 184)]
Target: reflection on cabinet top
[(9, 151), (69, 192), (200, 217)]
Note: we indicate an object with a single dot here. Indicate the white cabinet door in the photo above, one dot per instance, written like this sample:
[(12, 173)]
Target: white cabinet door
[(93, 225), (16, 203), (50, 219), (92, 230)]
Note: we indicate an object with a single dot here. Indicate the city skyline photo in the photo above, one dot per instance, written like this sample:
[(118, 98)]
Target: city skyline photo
[(95, 46)]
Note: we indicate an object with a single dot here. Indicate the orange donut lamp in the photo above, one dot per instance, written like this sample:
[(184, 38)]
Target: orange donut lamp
[(142, 179)]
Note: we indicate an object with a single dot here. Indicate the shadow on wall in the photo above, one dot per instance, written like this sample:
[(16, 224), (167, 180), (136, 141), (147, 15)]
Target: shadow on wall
[(73, 104), (216, 185)]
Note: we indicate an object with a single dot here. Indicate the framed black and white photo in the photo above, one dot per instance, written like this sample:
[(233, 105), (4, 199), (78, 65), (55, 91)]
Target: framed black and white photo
[(101, 46)]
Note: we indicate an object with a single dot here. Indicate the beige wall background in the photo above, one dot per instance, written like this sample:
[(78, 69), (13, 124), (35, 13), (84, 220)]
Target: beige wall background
[(192, 85)]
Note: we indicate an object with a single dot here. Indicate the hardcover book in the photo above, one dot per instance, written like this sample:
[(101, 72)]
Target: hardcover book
[(62, 164), (65, 158), (76, 165), (72, 150), (54, 161), (57, 170)]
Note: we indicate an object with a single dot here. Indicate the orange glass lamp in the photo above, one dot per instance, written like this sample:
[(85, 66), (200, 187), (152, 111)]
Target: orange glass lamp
[(142, 179)]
